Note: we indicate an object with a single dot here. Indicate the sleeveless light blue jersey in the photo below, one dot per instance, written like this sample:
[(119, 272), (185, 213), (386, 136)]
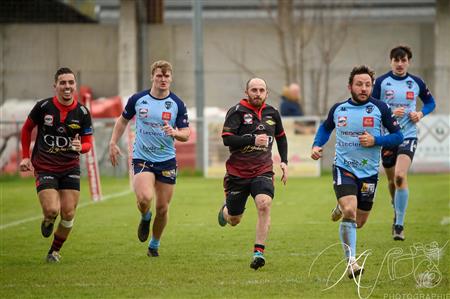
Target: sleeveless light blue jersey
[(151, 143), (350, 120), (403, 92)]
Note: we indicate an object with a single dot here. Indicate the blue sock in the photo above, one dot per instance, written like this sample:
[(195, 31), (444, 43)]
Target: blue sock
[(147, 216), (347, 234), (401, 202), (154, 243)]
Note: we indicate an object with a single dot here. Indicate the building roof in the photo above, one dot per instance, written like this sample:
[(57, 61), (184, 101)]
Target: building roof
[(40, 11)]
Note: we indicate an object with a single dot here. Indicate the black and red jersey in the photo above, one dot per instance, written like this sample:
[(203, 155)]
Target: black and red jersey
[(249, 160), (57, 127)]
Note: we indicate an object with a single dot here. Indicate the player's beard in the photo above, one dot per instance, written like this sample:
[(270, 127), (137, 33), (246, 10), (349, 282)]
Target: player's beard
[(256, 101), (357, 97)]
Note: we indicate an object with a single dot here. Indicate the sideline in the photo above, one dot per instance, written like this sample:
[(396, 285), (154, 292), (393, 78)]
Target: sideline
[(82, 205)]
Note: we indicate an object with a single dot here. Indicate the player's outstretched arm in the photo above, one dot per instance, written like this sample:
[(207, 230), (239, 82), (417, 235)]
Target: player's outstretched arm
[(114, 150)]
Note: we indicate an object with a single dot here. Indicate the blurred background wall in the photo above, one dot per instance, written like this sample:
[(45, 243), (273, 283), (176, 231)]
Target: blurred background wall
[(336, 36)]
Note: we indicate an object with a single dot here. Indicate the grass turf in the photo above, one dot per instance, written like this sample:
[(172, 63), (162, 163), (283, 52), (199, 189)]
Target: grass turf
[(104, 259)]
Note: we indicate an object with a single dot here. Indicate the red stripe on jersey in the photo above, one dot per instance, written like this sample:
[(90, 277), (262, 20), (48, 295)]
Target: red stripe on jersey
[(280, 135), (227, 134)]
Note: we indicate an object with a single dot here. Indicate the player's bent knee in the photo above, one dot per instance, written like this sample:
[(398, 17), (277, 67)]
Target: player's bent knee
[(67, 223), (400, 179), (69, 214), (162, 211), (348, 212), (51, 213)]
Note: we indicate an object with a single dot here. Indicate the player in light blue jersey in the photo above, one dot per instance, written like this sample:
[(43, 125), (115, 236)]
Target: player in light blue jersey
[(400, 91), (161, 118), (358, 122)]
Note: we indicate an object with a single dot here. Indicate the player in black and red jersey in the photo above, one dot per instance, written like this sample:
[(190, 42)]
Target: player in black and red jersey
[(249, 131), (64, 132)]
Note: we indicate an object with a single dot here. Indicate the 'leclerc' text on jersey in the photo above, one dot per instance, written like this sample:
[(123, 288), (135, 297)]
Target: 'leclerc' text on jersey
[(151, 143), (403, 92)]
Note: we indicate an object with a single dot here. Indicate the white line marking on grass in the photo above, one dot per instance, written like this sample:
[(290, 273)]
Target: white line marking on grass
[(106, 197), (445, 221)]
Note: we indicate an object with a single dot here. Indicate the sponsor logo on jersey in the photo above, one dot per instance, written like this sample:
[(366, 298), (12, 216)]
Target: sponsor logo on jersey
[(409, 83), (369, 109), (410, 95), (143, 112), (270, 122), (355, 163), (342, 121), (389, 94), (168, 104), (368, 121), (57, 141), (48, 120), (166, 116), (260, 127), (248, 119), (74, 126), (61, 130)]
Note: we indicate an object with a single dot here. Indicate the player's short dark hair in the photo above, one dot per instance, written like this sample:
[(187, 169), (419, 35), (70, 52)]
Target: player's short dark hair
[(165, 66), (62, 71), (361, 69), (248, 82), (400, 52)]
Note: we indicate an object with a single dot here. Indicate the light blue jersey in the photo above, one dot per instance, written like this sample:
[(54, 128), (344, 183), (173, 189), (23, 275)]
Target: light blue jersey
[(151, 143), (352, 119), (403, 92)]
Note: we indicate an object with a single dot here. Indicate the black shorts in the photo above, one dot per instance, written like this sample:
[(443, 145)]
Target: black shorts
[(238, 189), (69, 179), (165, 172), (346, 183), (389, 155)]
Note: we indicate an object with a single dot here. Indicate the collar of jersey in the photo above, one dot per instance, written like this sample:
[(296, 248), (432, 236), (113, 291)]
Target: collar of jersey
[(62, 107), (158, 99), (351, 102), (247, 105), (398, 78)]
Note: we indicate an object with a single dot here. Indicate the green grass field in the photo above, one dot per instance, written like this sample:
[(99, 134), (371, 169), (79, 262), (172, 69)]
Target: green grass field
[(104, 259)]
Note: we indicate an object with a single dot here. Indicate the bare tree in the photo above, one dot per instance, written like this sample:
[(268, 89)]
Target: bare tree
[(332, 32), (294, 33)]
